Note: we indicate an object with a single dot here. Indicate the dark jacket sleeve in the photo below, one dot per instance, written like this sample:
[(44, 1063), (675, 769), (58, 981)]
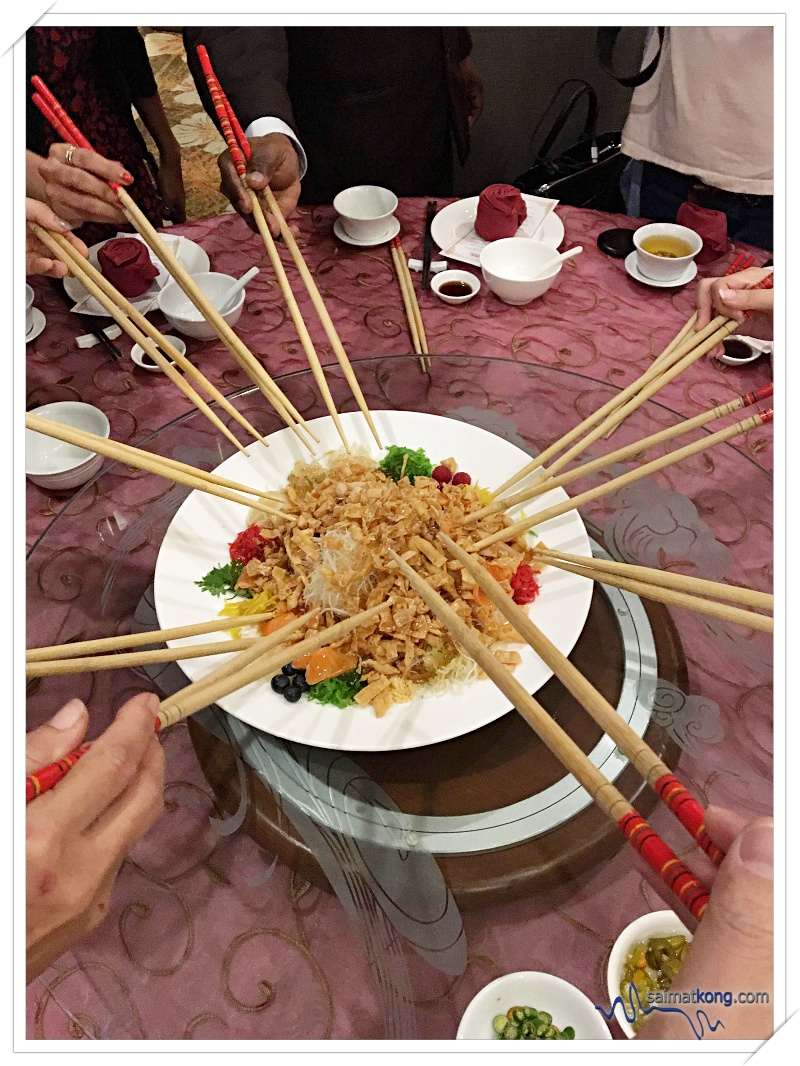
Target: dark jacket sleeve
[(252, 66)]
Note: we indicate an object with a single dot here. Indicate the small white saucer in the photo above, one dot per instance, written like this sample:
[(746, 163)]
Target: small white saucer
[(343, 235), (37, 325), (632, 267)]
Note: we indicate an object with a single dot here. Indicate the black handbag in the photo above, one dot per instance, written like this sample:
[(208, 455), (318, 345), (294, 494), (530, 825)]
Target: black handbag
[(587, 173)]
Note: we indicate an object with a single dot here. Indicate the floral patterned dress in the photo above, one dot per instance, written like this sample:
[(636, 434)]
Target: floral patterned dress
[(96, 73)]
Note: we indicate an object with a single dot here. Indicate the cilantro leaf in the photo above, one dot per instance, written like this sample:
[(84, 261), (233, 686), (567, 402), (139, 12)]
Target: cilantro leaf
[(221, 581)]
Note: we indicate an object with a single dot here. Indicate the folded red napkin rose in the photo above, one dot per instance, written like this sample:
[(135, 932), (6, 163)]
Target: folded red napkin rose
[(127, 265), (501, 211), (712, 226)]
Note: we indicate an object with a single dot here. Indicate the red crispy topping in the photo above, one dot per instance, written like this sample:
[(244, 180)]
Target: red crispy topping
[(524, 584), (249, 544)]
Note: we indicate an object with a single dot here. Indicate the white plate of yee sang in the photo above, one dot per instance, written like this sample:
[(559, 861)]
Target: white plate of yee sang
[(198, 540)]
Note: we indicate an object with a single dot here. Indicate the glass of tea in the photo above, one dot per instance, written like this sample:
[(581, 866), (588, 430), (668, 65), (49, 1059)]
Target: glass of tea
[(455, 286), (665, 250)]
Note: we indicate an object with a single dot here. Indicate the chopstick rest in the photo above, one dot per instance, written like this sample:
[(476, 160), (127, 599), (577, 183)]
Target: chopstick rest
[(436, 267), (89, 340)]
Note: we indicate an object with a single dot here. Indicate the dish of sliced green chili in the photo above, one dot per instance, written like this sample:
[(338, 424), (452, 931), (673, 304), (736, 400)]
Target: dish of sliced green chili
[(527, 1023)]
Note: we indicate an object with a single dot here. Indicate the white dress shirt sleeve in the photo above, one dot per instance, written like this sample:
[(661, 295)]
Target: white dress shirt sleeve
[(260, 127)]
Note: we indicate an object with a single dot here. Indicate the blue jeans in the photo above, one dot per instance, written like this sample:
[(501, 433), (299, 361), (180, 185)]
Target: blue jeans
[(655, 192)]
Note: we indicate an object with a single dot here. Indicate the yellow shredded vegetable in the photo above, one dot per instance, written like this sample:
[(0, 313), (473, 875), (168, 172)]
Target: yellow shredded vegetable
[(259, 604)]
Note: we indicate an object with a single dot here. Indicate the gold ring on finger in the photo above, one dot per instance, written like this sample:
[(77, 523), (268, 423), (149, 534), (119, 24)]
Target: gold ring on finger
[(68, 157)]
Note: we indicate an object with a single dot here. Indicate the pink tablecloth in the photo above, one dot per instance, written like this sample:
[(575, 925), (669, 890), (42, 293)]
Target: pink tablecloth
[(595, 320), (199, 945)]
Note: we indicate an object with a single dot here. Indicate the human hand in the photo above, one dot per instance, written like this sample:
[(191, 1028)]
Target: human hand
[(732, 948), (732, 297), (473, 85), (78, 192), (273, 162), (170, 187), (79, 832), (38, 258)]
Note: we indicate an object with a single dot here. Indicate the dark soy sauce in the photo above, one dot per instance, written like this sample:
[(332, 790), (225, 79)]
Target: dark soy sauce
[(151, 362), (455, 288)]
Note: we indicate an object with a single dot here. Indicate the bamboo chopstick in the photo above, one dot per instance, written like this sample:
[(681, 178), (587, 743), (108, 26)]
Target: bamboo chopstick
[(611, 413), (101, 645), (193, 697), (146, 326), (397, 259), (692, 349), (269, 243), (698, 586), (626, 479), (651, 591), (115, 661), (620, 455), (57, 116), (607, 797), (299, 324), (121, 318), (322, 313), (657, 382), (741, 262), (413, 303), (655, 772), (148, 461), (49, 776), (248, 362), (239, 148)]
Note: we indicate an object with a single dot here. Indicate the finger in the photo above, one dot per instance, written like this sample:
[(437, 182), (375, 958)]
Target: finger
[(86, 183), (231, 185), (36, 211), (49, 268), (740, 909), (136, 810), (56, 738), (78, 207), (83, 159), (78, 245), (746, 299), (108, 767), (703, 304), (723, 826)]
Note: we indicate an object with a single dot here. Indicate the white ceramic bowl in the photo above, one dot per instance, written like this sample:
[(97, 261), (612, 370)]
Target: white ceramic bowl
[(365, 211), (455, 275), (28, 309), (183, 316), (567, 1004), (658, 923), (52, 464), (519, 270), (658, 267), (142, 359)]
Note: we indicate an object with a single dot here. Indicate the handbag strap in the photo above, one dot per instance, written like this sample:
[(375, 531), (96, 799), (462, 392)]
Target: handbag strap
[(584, 89), (606, 39)]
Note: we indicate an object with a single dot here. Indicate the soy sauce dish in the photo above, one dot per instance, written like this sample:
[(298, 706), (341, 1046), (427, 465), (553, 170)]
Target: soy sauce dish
[(143, 360), (455, 286)]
